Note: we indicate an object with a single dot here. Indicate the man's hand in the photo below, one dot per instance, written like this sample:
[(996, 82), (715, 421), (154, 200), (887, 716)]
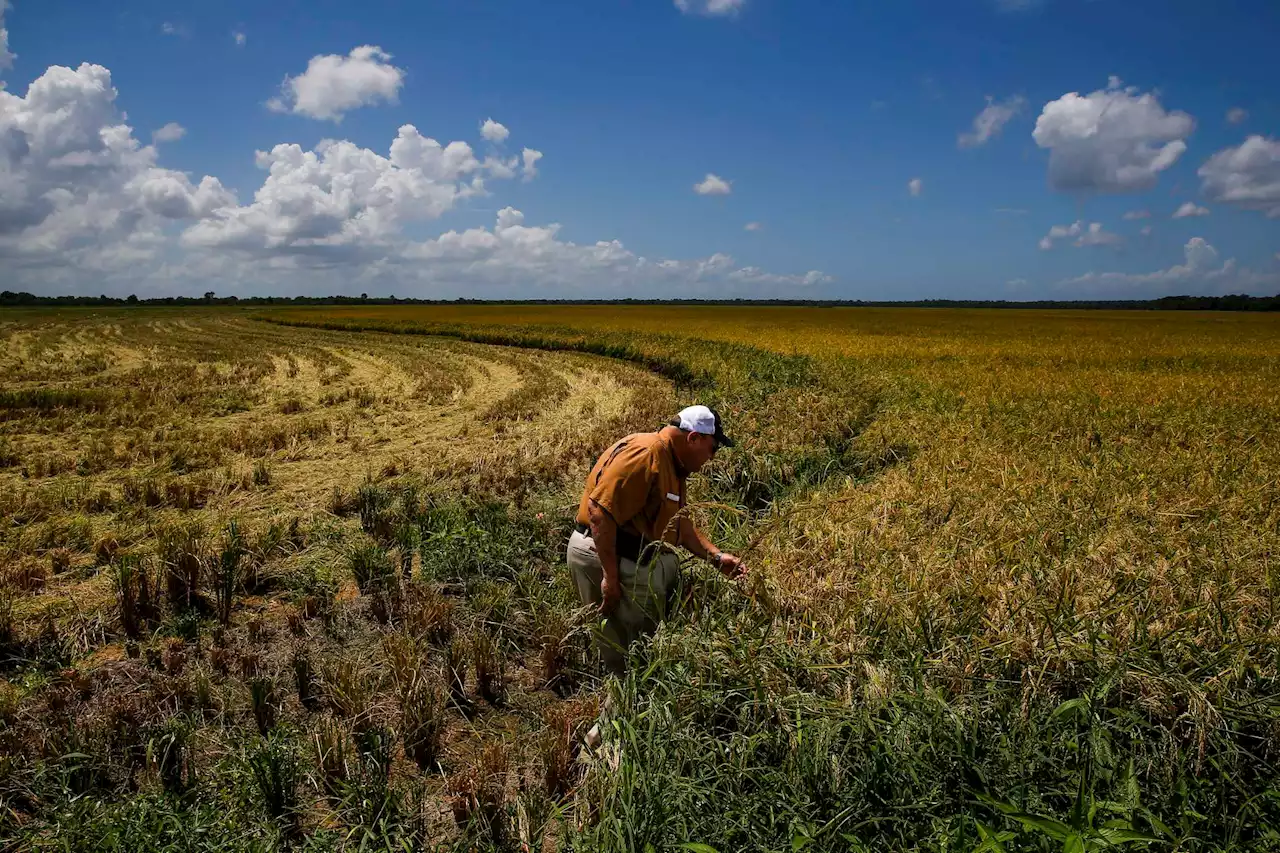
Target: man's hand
[(610, 593), (732, 567)]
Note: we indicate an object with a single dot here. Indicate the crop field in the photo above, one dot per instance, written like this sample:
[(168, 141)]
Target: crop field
[(292, 578)]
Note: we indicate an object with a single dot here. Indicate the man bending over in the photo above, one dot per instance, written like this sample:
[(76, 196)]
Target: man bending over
[(629, 514)]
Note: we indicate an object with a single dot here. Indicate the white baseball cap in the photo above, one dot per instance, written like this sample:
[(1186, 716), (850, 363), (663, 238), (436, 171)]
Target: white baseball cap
[(701, 419)]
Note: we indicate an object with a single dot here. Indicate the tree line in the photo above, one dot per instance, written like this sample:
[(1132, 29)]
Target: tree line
[(1231, 302)]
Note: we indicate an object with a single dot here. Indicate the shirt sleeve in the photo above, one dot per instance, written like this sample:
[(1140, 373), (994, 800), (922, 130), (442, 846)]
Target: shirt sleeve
[(622, 490)]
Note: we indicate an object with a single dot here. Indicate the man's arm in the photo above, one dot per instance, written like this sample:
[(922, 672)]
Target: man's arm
[(605, 535), (700, 546)]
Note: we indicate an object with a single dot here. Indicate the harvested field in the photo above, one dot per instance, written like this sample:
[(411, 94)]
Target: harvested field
[(231, 550)]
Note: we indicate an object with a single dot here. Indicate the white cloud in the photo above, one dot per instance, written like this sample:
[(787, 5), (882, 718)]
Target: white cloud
[(6, 57), (494, 131), (1237, 115), (991, 120), (1146, 231), (710, 8), (753, 226), (171, 132), (1082, 235), (1136, 214), (514, 253), (344, 196), (1190, 208), (169, 28), (713, 185), (76, 187), (85, 207), (1247, 175), (1113, 140), (1200, 272), (915, 186), (530, 158), (240, 37), (1096, 236), (333, 84)]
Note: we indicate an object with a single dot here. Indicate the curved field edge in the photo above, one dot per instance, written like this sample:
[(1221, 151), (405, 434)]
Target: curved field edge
[(1105, 673)]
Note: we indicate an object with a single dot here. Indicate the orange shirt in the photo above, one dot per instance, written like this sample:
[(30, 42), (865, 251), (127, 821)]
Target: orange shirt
[(640, 485)]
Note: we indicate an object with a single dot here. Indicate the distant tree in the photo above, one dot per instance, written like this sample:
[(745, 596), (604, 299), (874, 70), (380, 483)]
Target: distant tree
[(133, 299), (364, 296), (208, 297)]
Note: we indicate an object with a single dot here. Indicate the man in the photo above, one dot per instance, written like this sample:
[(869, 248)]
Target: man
[(630, 514)]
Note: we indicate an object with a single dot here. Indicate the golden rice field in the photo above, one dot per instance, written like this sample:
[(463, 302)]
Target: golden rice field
[(1102, 444), (290, 578)]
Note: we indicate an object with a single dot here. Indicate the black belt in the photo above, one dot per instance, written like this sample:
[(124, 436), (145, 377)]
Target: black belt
[(629, 545)]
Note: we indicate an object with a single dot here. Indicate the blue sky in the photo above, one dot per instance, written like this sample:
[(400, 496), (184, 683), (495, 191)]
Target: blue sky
[(815, 117)]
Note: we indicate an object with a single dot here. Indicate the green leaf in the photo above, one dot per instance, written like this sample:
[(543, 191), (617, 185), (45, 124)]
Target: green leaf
[(1157, 824), (1078, 706), (992, 841), (1125, 836), (1074, 844), (1053, 828), (695, 847)]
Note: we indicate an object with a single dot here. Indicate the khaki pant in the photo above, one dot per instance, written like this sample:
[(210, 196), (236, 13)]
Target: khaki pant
[(647, 590)]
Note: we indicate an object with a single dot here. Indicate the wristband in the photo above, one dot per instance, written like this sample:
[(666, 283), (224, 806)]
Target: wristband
[(715, 561)]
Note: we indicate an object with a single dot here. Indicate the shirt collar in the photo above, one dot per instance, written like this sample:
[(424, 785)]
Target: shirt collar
[(675, 460)]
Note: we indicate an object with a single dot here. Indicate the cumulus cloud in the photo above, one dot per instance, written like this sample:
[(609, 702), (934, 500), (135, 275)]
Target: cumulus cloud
[(1190, 208), (1237, 115), (713, 185), (76, 186), (342, 196), (6, 57), (171, 132), (753, 226), (513, 252), (1247, 176), (1095, 235), (333, 85), (710, 8), (1114, 140), (85, 207), (239, 37), (529, 158), (991, 120), (915, 186), (494, 131), (1081, 234), (1136, 214), (1200, 272)]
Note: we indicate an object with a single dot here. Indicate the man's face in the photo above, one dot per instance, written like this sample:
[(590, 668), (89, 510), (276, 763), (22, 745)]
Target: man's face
[(701, 449)]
